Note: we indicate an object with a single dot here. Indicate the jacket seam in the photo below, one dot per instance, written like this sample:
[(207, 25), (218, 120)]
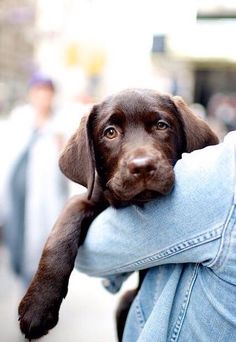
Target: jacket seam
[(216, 263), (182, 314), (175, 249), (235, 175), (139, 314)]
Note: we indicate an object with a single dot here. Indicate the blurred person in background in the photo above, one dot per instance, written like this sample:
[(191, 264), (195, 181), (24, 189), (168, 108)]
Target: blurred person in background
[(222, 107), (33, 188)]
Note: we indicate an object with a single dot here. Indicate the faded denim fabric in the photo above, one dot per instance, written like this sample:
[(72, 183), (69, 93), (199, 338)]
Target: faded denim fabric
[(188, 240)]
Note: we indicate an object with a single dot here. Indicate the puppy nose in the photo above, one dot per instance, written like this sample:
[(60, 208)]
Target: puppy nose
[(141, 165)]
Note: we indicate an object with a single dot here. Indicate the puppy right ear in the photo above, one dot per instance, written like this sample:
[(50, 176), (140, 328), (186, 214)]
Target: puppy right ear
[(198, 133), (77, 161)]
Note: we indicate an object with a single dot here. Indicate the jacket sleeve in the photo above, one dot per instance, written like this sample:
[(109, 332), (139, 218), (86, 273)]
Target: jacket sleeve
[(185, 226)]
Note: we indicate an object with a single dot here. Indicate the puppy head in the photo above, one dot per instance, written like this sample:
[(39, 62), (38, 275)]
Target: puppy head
[(132, 141), (136, 143)]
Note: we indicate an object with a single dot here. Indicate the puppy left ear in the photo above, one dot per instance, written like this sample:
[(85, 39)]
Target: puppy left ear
[(77, 161), (198, 133)]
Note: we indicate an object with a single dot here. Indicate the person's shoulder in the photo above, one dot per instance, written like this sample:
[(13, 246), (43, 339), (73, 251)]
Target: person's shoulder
[(209, 158), (22, 114), (230, 138)]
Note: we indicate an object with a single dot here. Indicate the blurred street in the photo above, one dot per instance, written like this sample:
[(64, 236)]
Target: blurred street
[(87, 314)]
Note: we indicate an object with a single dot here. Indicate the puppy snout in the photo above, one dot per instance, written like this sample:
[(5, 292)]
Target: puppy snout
[(141, 166)]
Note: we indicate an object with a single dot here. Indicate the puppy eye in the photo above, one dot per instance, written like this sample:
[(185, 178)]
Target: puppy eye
[(110, 133), (162, 125)]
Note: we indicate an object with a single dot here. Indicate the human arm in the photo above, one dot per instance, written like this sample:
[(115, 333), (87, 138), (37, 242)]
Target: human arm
[(185, 226)]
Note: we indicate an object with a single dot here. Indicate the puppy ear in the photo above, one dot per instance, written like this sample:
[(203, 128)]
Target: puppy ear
[(198, 133), (77, 161)]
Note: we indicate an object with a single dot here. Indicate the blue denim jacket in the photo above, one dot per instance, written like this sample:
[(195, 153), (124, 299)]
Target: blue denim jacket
[(188, 240)]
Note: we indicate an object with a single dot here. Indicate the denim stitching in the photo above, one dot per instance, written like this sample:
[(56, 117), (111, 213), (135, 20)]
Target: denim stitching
[(139, 314), (182, 246), (217, 263), (235, 175), (231, 226), (172, 250), (180, 319), (225, 243)]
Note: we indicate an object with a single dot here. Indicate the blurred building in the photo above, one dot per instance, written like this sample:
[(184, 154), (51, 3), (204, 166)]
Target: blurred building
[(196, 48), (101, 46), (93, 45), (16, 50), (96, 47)]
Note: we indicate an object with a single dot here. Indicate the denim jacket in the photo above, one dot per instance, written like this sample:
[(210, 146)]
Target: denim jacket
[(187, 240)]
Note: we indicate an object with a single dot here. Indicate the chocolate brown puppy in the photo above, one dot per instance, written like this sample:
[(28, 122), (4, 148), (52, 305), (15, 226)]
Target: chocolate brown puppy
[(124, 152)]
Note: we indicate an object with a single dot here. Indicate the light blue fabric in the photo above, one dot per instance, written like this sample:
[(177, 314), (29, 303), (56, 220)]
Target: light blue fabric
[(188, 240)]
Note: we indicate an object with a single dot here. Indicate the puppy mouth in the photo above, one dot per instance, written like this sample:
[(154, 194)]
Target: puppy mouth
[(142, 192), (145, 196)]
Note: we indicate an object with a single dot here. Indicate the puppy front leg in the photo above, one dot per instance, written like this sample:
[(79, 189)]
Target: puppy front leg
[(39, 308)]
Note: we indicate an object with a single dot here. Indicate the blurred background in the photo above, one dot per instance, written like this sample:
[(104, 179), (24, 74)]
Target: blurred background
[(57, 58)]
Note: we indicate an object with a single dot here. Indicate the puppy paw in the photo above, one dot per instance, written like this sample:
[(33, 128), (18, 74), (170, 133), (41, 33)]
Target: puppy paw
[(38, 314)]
